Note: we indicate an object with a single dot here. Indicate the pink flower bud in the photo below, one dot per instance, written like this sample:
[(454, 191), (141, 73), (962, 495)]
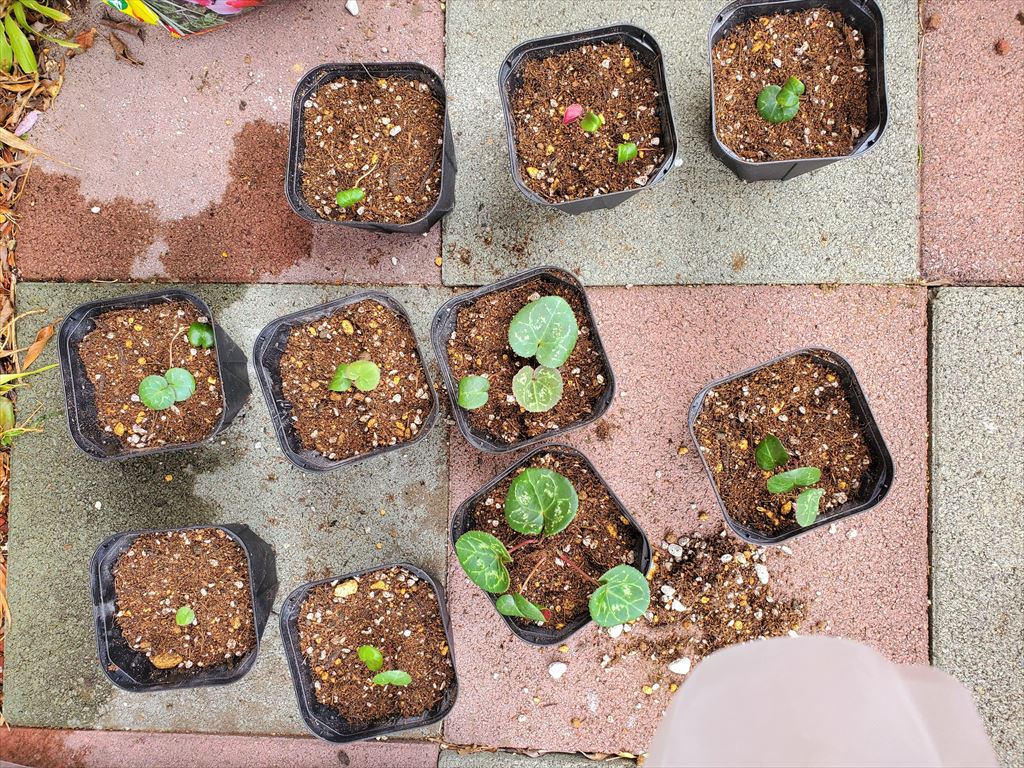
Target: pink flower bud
[(572, 112)]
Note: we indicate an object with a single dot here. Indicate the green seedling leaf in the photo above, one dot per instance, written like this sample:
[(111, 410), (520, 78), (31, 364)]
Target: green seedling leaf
[(200, 335), (371, 656), (590, 122), (540, 500), (7, 378), (346, 198), (156, 393), (50, 13), (770, 453), (794, 478), (807, 504), (20, 46), (779, 104), (182, 383), (517, 605), (483, 558), (363, 373), (6, 414), (392, 677), (623, 596), (473, 392), (545, 329), (537, 389), (184, 616), (6, 52), (625, 153)]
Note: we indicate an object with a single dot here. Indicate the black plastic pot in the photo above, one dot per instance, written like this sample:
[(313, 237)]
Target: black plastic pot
[(79, 394), (443, 326), (878, 484), (863, 15), (266, 356), (647, 51), (130, 669), (324, 721), (328, 73), (462, 522)]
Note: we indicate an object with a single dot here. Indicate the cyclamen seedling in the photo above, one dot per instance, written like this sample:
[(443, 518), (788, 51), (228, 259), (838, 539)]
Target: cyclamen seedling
[(184, 616), (346, 198), (473, 392), (545, 329), (770, 454), (780, 104), (200, 335), (372, 657), (161, 392), (541, 502), (625, 152), (363, 373)]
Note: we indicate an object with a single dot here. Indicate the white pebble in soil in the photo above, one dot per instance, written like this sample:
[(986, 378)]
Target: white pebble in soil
[(615, 631), (557, 669), (680, 666)]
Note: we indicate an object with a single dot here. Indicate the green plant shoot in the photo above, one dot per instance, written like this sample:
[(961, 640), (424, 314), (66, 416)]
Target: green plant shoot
[(807, 504), (483, 557), (591, 122), (184, 616), (161, 392), (371, 656), (540, 500), (346, 198), (770, 453), (473, 392), (625, 152), (794, 478), (6, 379), (519, 606), (545, 329), (200, 335), (392, 677), (363, 373), (779, 105), (623, 595), (537, 389)]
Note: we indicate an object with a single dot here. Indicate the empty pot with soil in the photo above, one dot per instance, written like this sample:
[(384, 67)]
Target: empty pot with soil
[(181, 608), (790, 445), (522, 360), (587, 117), (371, 148), (553, 547), (795, 84), (370, 653), (344, 381), (148, 374)]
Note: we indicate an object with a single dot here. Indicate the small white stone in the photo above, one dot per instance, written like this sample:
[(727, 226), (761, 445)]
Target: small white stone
[(557, 669), (680, 666), (352, 6), (762, 572), (675, 550), (615, 631), (667, 590), (95, 209), (678, 607), (99, 505)]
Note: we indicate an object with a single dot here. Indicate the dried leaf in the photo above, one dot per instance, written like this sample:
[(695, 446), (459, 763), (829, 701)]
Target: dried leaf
[(27, 122), (121, 51), (86, 39), (37, 346)]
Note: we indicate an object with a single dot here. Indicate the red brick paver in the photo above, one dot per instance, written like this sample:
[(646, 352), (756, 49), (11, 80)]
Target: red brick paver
[(101, 749), (175, 169), (665, 343), (972, 132)]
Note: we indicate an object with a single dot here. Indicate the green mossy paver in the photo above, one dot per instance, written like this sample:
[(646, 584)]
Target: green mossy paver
[(853, 222), (977, 539), (64, 503), (452, 759)]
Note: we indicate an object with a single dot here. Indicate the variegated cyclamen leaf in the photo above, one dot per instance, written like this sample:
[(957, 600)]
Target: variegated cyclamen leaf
[(517, 605), (624, 595), (545, 329), (483, 558), (537, 389), (539, 500)]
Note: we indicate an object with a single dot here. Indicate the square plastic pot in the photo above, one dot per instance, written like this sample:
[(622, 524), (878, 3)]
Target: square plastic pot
[(79, 393), (266, 356), (328, 73), (462, 522), (863, 15), (131, 670), (647, 51), (326, 722), (878, 483), (443, 326)]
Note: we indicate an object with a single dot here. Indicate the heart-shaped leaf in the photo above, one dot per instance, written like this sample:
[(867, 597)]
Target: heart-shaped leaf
[(346, 198), (625, 152), (371, 656), (184, 616), (590, 122), (770, 453), (538, 500), (545, 329), (200, 335), (623, 596), (537, 389), (473, 392), (182, 383), (777, 105), (517, 605), (794, 478), (363, 373), (155, 392), (483, 558), (807, 504), (392, 677)]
